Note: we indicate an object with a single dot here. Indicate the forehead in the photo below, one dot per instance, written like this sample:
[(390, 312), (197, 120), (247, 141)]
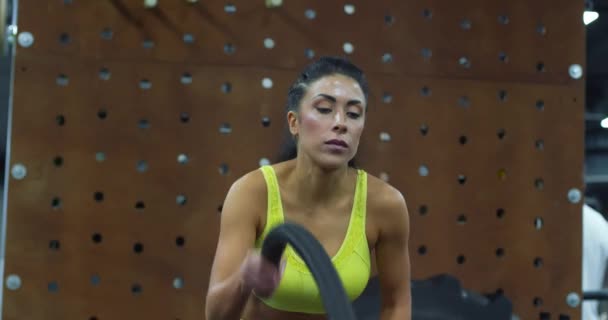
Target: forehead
[(339, 86)]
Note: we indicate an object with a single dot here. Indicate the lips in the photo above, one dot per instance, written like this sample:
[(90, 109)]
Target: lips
[(337, 142)]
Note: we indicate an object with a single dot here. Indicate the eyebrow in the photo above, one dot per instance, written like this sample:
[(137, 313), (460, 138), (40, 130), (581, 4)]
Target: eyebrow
[(333, 99)]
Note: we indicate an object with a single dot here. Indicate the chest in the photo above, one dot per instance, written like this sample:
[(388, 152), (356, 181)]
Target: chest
[(328, 223)]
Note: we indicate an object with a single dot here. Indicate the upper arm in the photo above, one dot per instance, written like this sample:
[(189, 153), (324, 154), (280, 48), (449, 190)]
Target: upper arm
[(392, 256), (238, 226)]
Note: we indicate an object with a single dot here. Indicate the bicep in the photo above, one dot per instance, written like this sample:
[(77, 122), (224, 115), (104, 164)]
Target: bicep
[(238, 225), (393, 261)]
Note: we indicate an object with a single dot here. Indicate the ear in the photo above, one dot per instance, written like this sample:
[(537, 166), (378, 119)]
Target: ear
[(292, 120)]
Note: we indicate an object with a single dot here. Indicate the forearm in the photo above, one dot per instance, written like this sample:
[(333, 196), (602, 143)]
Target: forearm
[(398, 313), (226, 300)]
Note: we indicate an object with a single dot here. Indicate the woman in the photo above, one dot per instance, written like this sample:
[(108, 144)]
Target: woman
[(361, 221)]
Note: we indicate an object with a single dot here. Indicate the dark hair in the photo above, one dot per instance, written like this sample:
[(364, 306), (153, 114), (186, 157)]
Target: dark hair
[(324, 66)]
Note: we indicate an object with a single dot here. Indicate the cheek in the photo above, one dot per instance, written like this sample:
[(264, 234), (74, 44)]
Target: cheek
[(312, 123)]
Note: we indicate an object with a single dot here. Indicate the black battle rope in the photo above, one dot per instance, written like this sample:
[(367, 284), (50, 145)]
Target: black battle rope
[(336, 302)]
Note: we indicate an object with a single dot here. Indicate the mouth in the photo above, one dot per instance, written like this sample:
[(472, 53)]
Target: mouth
[(337, 142)]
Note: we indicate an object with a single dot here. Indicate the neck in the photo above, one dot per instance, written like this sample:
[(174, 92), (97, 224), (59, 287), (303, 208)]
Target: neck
[(316, 185)]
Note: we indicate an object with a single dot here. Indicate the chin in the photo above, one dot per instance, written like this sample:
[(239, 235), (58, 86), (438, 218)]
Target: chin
[(333, 162)]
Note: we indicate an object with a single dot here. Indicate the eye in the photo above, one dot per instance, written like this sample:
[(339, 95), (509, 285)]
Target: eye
[(323, 110), (353, 115)]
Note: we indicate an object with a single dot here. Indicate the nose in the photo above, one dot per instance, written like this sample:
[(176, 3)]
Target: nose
[(339, 122)]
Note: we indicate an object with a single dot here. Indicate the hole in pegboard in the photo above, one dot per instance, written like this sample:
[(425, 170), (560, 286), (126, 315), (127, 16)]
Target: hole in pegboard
[(267, 83), (500, 252), (538, 223), (58, 161), (107, 33), (56, 203), (464, 101), (269, 43), (389, 19), (93, 318), (501, 133), (95, 280), (539, 144), (184, 117), (54, 245), (387, 97), (425, 91), (423, 210), (145, 84), (461, 259), (462, 219), (148, 44), (105, 74), (465, 24), (62, 80), (424, 129), (64, 38), (224, 169), (186, 78), (387, 58), (502, 95), (540, 105), (310, 14), (138, 248), (100, 157), (220, 208), (538, 262), (462, 179), (503, 57), (53, 287), (500, 213), (502, 174), (226, 87), (539, 184), (423, 171), (384, 176), (426, 53), (385, 137), (229, 48), (563, 317), (180, 241), (309, 53), (544, 316), (102, 114), (422, 250), (348, 47), (465, 62), (178, 282), (263, 162), (266, 122), (537, 302), (140, 205), (97, 238), (136, 289), (181, 200), (503, 19), (463, 140), (142, 166), (540, 66), (541, 29), (143, 124), (230, 8), (98, 196), (349, 9), (188, 38), (60, 120), (183, 159), (225, 128), (427, 13)]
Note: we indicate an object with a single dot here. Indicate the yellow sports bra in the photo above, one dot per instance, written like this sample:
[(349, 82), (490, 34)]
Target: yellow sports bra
[(298, 291)]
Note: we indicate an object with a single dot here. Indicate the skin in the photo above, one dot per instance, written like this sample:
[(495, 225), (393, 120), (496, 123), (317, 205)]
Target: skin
[(317, 191)]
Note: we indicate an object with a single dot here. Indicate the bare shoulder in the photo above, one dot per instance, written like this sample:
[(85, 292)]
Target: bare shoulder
[(386, 204), (246, 197)]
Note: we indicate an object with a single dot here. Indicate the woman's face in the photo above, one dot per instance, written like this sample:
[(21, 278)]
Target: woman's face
[(330, 120)]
